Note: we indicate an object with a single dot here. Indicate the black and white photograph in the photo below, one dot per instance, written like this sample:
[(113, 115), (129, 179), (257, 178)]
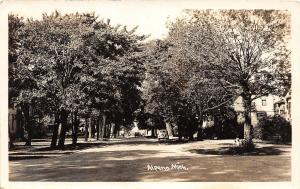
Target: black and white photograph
[(148, 91)]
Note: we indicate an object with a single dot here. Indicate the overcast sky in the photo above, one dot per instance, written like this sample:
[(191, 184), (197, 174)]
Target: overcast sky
[(150, 17)]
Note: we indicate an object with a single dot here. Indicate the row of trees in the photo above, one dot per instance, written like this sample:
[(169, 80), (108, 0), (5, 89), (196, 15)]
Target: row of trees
[(75, 65), (210, 58)]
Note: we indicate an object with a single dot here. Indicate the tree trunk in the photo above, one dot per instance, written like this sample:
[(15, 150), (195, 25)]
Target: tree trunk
[(152, 132), (72, 125), (27, 124), (109, 130), (93, 127), (248, 129), (20, 131), (62, 135), (75, 126), (179, 132), (190, 129), (103, 126), (11, 135), (10, 140), (90, 128), (98, 128), (105, 131), (86, 128), (116, 129), (199, 126), (55, 131), (191, 134), (169, 129)]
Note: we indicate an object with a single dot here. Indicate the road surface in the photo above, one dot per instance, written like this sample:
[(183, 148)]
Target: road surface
[(150, 160)]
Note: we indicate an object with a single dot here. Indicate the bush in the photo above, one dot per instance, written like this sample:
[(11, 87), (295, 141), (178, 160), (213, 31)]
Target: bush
[(209, 132), (38, 129), (273, 128), (231, 129), (258, 130), (228, 129)]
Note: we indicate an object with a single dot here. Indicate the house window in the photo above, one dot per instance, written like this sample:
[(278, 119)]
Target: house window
[(263, 102), (261, 115)]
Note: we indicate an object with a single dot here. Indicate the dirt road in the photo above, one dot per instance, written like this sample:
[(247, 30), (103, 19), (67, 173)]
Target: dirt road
[(149, 160)]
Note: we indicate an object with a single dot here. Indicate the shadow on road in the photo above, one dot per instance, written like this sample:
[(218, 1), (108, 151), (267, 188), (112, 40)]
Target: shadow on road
[(86, 145), (262, 151), (132, 165)]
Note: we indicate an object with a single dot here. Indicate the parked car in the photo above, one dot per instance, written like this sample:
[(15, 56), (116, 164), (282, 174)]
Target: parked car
[(162, 134)]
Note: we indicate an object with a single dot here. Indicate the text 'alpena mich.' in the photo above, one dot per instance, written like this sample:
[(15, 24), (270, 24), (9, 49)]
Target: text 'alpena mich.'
[(177, 166)]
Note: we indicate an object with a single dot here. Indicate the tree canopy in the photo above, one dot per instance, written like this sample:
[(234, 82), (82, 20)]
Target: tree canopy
[(79, 64), (211, 57)]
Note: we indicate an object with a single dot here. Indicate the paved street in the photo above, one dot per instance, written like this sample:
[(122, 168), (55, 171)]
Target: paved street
[(136, 160)]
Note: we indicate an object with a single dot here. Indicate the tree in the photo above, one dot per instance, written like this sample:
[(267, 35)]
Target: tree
[(21, 81), (188, 65), (256, 45), (77, 64), (161, 96), (15, 24), (50, 57), (114, 74), (239, 49)]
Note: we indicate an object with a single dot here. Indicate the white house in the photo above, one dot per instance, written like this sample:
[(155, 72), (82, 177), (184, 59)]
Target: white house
[(263, 106), (283, 106)]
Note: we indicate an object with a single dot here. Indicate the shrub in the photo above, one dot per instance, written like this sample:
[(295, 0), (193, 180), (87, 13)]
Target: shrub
[(39, 130), (258, 130), (209, 132), (227, 129), (273, 128)]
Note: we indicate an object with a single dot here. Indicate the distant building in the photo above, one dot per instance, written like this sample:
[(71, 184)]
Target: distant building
[(135, 131)]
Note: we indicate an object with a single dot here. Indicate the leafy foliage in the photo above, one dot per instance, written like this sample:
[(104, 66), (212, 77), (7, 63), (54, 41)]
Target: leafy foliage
[(76, 63), (274, 128)]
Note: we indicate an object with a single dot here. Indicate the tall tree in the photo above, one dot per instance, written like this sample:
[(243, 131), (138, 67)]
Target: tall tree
[(22, 86), (239, 50), (161, 97), (114, 74), (50, 55), (256, 46)]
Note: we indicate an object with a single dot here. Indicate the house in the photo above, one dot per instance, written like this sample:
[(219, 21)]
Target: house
[(261, 107), (135, 131), (12, 122), (279, 107), (283, 106)]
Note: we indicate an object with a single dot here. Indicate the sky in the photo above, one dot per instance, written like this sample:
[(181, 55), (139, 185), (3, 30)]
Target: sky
[(150, 17)]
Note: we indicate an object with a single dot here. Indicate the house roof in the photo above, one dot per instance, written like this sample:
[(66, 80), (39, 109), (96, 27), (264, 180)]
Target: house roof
[(280, 102)]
